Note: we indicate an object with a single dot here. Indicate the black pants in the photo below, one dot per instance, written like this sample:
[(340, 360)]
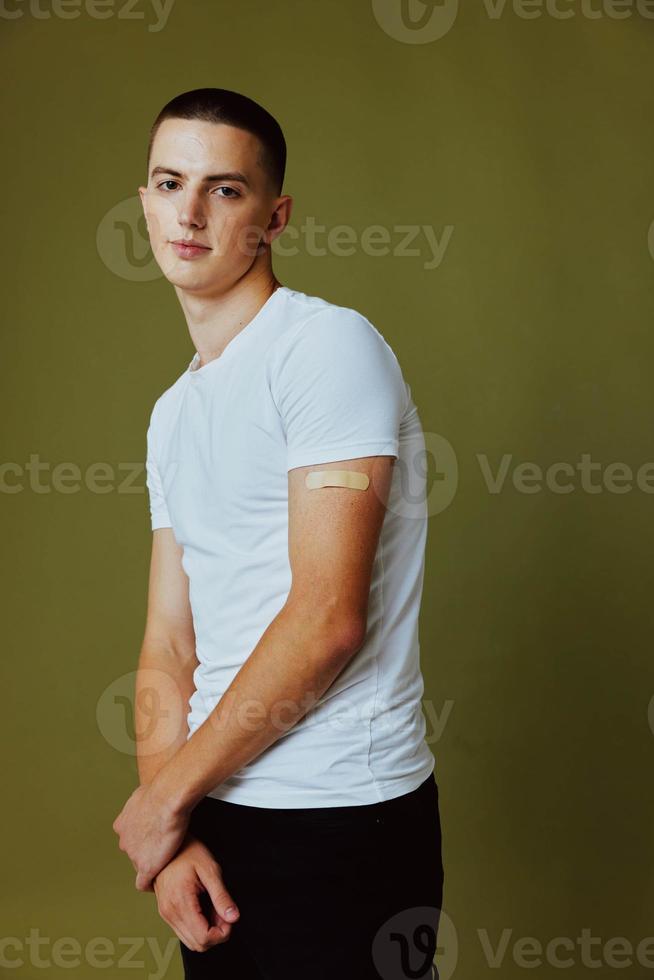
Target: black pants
[(326, 893)]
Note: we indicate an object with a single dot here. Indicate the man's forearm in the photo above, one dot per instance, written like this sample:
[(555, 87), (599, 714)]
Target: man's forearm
[(296, 660), (164, 685)]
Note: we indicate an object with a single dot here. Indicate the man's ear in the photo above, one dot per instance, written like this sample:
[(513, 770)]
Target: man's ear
[(142, 192), (281, 217)]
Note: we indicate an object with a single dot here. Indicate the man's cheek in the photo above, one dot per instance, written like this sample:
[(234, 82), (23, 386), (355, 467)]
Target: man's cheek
[(249, 238), (162, 217)]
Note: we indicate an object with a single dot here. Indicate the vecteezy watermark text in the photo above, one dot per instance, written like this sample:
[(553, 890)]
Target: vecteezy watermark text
[(41, 476), (524, 476), (123, 244), (424, 21), (163, 713), (100, 953), (563, 477), (374, 240), (95, 9)]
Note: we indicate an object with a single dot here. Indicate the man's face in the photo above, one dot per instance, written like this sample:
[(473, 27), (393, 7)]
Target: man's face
[(206, 185)]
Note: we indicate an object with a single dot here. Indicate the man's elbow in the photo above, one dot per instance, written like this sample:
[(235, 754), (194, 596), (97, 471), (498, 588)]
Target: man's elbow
[(341, 637), (350, 632), (339, 630), (168, 648)]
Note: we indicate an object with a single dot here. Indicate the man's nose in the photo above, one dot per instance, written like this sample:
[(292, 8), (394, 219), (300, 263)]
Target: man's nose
[(191, 211)]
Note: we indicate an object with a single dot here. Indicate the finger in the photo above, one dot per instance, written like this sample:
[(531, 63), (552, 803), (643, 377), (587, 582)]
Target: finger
[(193, 922), (222, 901), (143, 882), (188, 942), (219, 930), (171, 916)]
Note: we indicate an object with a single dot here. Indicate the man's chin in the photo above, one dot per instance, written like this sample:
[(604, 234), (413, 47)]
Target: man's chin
[(185, 277)]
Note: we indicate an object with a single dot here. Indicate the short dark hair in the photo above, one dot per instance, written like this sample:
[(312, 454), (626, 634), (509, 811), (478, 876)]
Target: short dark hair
[(219, 105)]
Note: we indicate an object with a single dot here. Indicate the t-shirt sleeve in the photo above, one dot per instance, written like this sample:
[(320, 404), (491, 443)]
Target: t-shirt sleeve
[(339, 390), (158, 510)]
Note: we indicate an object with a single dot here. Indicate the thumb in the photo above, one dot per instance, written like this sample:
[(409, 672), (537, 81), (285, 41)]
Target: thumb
[(222, 901)]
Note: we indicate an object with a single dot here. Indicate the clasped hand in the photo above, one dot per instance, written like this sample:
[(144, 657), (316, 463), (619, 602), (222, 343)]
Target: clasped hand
[(151, 832)]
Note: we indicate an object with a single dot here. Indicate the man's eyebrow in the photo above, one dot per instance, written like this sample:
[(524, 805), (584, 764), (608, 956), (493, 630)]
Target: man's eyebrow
[(235, 175)]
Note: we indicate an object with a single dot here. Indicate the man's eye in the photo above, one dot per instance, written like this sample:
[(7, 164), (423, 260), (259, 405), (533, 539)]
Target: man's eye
[(169, 181), (232, 193)]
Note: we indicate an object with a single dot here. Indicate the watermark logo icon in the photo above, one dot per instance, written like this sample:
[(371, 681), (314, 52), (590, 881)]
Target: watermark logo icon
[(415, 21), (419, 942), (123, 242), (162, 712)]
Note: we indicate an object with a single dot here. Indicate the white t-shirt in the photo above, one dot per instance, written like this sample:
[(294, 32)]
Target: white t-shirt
[(304, 382)]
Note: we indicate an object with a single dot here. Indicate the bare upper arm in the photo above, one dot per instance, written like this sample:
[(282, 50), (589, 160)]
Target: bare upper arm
[(333, 536), (169, 621)]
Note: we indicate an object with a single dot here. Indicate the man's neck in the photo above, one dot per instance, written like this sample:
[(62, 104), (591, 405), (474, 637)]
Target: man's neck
[(214, 322)]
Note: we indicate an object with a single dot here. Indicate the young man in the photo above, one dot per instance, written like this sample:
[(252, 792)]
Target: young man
[(288, 824)]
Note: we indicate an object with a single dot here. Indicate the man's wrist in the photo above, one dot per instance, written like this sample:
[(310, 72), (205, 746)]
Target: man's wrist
[(170, 791)]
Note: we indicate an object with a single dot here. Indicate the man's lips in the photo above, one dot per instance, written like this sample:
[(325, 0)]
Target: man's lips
[(189, 249), (189, 243)]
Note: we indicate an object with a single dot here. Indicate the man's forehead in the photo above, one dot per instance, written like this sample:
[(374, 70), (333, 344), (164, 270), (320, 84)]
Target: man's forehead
[(196, 140)]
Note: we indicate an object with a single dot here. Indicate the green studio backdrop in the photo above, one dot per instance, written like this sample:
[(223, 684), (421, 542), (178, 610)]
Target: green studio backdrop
[(505, 152)]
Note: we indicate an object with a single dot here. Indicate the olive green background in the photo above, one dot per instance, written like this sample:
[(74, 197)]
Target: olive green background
[(531, 138)]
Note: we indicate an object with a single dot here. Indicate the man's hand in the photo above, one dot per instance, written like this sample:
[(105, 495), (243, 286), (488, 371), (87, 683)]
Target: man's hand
[(151, 831), (178, 888)]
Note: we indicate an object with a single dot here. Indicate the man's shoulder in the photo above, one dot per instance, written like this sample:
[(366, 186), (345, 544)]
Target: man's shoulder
[(166, 401), (313, 323), (331, 353)]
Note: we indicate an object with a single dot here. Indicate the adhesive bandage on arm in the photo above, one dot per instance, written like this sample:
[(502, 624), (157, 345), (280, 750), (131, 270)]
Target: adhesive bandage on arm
[(336, 478)]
